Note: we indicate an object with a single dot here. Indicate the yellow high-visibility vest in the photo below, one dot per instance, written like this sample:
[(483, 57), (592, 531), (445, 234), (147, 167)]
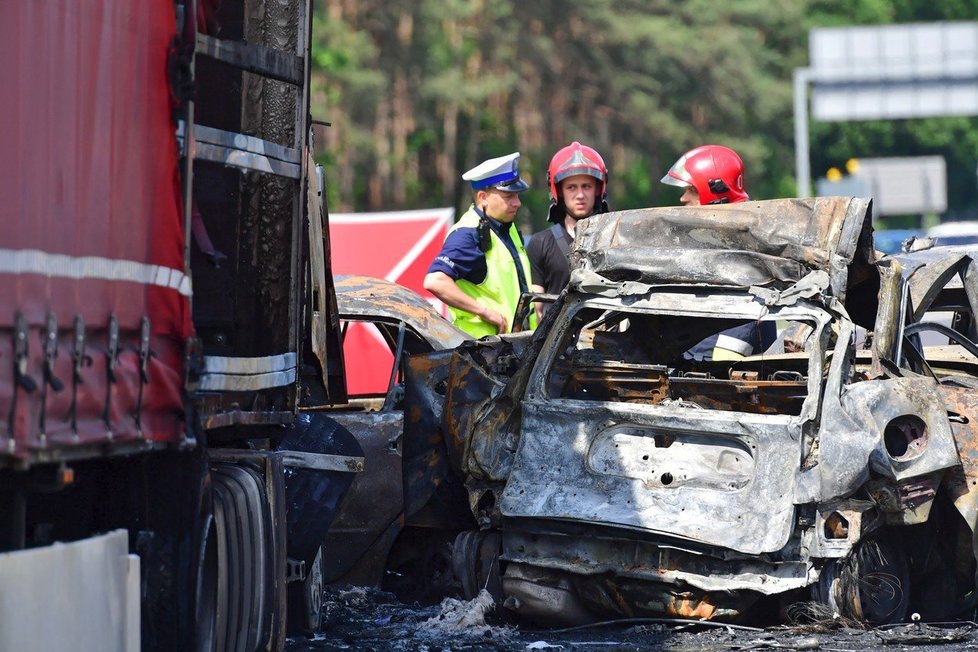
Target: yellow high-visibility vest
[(500, 290)]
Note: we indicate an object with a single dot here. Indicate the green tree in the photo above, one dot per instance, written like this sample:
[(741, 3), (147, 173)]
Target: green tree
[(419, 91)]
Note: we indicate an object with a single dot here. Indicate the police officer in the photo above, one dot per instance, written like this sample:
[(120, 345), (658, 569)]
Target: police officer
[(482, 268), (578, 189), (714, 174)]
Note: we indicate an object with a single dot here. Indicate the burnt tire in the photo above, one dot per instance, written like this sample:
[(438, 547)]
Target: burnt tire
[(475, 560), (872, 584)]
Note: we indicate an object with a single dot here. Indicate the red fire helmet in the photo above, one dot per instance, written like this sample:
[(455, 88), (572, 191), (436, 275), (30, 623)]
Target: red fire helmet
[(714, 171), (576, 159), (572, 160)]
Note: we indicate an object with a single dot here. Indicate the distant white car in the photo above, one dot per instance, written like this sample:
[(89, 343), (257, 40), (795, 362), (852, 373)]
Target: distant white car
[(954, 233)]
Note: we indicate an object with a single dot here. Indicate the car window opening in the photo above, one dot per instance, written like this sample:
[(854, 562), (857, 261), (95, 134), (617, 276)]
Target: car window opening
[(737, 365)]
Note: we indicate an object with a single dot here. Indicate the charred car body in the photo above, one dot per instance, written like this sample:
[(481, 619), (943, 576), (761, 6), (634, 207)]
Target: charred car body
[(612, 473), (404, 508)]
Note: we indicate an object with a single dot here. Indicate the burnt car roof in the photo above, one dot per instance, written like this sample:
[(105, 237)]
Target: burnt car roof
[(915, 260), (937, 269), (760, 243), (365, 296)]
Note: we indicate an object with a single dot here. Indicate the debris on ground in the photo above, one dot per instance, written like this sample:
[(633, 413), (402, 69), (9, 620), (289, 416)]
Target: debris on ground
[(920, 634), (465, 618), (372, 620)]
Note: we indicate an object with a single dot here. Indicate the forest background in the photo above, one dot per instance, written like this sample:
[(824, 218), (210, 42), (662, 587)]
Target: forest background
[(417, 91)]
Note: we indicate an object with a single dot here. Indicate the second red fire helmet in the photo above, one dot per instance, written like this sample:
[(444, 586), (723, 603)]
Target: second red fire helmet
[(714, 171)]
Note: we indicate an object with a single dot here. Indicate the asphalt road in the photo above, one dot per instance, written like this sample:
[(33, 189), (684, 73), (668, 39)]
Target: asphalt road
[(364, 619)]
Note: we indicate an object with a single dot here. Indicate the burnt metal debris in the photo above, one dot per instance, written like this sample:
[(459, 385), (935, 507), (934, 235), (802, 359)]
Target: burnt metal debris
[(608, 473)]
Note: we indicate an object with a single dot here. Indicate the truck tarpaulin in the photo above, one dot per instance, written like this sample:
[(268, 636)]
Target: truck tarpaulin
[(92, 227)]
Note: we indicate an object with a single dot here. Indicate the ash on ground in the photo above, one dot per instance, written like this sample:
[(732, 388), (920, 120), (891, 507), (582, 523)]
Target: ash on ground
[(357, 618)]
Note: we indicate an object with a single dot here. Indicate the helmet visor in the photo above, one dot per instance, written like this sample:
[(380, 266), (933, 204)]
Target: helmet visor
[(678, 175), (579, 163), (572, 171)]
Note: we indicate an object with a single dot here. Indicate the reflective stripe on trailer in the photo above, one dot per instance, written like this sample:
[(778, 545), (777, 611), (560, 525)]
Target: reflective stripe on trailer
[(34, 261), (231, 374)]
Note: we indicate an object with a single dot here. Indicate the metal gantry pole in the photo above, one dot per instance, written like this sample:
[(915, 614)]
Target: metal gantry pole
[(803, 172)]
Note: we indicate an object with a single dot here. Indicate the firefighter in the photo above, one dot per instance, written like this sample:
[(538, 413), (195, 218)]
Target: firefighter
[(482, 268), (709, 174), (714, 174), (578, 181)]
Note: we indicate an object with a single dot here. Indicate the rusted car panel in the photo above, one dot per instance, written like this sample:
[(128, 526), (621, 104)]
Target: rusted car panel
[(482, 401), (427, 467), (704, 486), (367, 299), (884, 411), (645, 560), (963, 483), (620, 475)]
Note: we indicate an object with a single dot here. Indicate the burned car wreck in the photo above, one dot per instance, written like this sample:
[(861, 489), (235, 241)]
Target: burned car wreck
[(612, 474)]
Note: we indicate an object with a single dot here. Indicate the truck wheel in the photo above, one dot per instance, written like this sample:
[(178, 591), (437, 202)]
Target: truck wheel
[(243, 534)]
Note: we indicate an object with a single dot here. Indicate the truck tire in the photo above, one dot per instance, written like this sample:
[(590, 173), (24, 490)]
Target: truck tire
[(244, 554)]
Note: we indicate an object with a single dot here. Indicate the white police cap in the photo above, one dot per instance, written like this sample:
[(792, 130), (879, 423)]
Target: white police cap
[(502, 173)]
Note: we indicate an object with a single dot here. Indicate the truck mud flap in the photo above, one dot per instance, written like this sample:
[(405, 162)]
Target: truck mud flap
[(313, 493)]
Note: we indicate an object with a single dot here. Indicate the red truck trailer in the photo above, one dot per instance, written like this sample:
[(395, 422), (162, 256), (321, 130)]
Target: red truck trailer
[(166, 472)]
